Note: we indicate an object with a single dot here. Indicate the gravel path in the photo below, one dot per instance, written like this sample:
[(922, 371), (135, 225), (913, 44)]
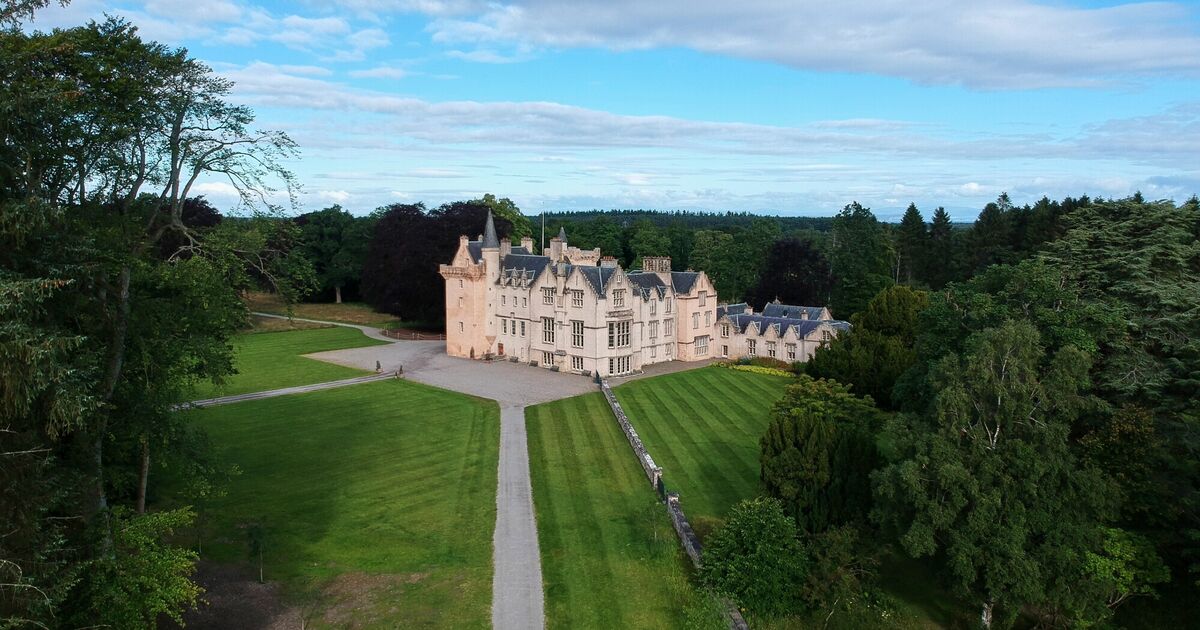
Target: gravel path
[(517, 601), (299, 389), (517, 598)]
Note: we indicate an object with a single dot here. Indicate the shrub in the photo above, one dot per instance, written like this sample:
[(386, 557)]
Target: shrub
[(757, 559)]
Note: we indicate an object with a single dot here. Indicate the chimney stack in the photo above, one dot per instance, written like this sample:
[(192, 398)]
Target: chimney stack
[(527, 243), (608, 261)]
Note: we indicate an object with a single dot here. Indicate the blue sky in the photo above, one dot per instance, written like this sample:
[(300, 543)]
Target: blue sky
[(705, 105)]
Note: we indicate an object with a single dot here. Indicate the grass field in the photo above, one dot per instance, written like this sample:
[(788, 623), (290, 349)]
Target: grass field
[(378, 501), (703, 426), (346, 312), (270, 360), (609, 556)]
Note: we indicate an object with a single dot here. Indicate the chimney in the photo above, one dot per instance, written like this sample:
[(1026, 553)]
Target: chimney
[(505, 247), (527, 243), (660, 265), (608, 261)]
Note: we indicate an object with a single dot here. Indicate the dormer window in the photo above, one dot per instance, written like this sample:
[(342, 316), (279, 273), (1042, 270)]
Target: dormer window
[(724, 330)]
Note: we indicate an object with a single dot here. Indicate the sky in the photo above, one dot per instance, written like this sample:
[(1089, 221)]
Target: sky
[(793, 108)]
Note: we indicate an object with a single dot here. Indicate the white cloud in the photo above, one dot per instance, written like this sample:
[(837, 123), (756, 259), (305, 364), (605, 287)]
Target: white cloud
[(995, 45), (380, 72), (485, 56)]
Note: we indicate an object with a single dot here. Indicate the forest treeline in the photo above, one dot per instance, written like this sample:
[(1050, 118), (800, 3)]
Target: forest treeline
[(1028, 434)]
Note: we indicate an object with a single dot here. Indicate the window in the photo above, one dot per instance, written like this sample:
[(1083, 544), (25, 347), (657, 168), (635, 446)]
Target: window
[(751, 347), (825, 336), (577, 364), (708, 318), (703, 299), (695, 321), (791, 351), (460, 326), (524, 301), (702, 345), (460, 283), (576, 333), (724, 330), (668, 327), (548, 329), (548, 295), (547, 358), (670, 350), (618, 334), (652, 351), (504, 325), (460, 302), (771, 349), (618, 297), (503, 300), (577, 299), (724, 351), (652, 307), (522, 328), (668, 309), (618, 365), (653, 329)]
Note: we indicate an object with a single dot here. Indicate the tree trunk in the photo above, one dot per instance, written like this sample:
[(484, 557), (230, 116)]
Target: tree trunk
[(985, 617), (116, 361), (337, 292), (144, 477)]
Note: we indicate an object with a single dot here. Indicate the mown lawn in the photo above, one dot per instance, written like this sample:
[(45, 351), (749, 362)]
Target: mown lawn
[(609, 556), (703, 427), (346, 312), (270, 360), (378, 501)]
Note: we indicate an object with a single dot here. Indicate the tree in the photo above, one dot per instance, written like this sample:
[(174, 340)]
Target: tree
[(796, 272), (647, 240), (818, 453), (992, 236), (859, 260), (102, 267), (715, 254), (507, 210), (913, 244), (878, 348), (756, 558), (942, 267), (336, 244), (401, 272), (986, 482)]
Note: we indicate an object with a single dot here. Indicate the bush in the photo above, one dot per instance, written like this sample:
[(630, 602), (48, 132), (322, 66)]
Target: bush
[(757, 559)]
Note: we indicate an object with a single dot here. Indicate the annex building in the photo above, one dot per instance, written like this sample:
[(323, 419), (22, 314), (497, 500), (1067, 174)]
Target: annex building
[(575, 310)]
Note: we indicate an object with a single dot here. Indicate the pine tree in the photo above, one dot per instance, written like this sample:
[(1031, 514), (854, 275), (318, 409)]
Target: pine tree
[(942, 255), (913, 240)]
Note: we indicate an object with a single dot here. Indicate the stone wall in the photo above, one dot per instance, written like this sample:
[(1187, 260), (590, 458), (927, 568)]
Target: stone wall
[(687, 537), (653, 472)]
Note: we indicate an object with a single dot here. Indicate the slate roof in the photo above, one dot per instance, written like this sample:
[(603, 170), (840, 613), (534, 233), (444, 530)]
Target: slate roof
[(775, 309), (647, 282), (598, 277), (802, 326), (684, 280), (489, 233), (533, 266), (731, 309), (475, 249)]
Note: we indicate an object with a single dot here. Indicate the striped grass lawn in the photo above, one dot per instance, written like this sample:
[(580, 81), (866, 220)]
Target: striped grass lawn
[(703, 426), (270, 360), (609, 556), (378, 501)]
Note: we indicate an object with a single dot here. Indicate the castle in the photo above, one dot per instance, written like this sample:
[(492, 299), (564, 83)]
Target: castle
[(574, 310)]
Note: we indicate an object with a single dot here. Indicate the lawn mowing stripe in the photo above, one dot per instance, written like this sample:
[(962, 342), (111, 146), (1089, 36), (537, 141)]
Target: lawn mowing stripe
[(584, 523), (720, 470), (753, 413), (666, 442), (737, 425)]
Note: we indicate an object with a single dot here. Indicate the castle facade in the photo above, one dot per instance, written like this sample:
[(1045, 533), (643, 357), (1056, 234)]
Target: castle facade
[(574, 310)]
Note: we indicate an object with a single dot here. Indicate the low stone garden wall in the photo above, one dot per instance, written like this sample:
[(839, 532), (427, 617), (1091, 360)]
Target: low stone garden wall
[(687, 537)]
